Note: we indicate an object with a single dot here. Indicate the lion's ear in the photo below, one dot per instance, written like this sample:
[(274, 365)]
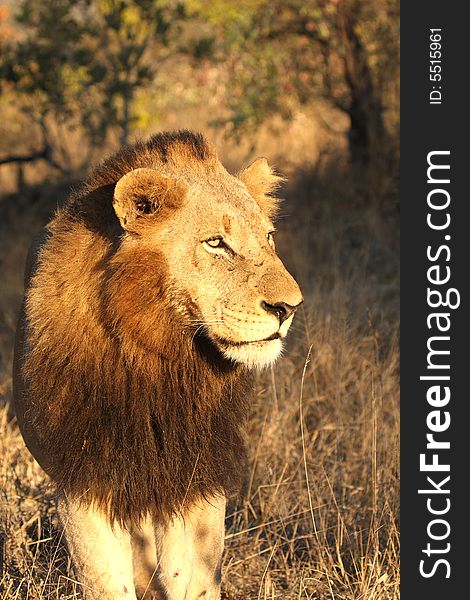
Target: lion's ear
[(144, 193), (262, 182)]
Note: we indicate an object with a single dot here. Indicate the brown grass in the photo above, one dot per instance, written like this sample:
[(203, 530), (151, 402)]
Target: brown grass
[(318, 517)]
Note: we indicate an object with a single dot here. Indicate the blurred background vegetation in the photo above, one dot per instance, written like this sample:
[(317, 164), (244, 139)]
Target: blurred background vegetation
[(80, 77), (313, 85)]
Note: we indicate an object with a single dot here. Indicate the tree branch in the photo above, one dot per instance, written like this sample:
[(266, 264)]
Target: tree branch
[(44, 154)]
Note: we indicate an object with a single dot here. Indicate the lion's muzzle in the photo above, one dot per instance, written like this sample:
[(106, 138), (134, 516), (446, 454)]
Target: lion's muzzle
[(281, 310)]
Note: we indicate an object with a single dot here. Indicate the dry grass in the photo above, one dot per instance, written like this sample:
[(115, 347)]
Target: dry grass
[(318, 516)]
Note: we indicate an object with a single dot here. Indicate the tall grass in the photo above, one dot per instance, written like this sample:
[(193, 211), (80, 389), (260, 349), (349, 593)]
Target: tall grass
[(318, 516)]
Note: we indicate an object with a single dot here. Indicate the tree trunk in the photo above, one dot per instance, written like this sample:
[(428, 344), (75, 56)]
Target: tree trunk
[(367, 136), (126, 99)]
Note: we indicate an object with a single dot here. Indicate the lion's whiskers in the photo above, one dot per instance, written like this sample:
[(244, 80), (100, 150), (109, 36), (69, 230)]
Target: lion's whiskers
[(203, 322), (201, 325)]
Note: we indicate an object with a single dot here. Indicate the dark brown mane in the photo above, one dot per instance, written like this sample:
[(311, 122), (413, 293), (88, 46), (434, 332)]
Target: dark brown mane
[(194, 143), (133, 410), (179, 147)]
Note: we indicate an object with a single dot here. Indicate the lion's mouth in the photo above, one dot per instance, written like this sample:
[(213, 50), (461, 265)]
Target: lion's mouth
[(225, 342)]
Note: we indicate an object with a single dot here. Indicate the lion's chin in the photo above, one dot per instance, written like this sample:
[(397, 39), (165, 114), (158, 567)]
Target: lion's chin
[(255, 355)]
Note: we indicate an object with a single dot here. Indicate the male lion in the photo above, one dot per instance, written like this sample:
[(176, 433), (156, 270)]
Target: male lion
[(151, 294)]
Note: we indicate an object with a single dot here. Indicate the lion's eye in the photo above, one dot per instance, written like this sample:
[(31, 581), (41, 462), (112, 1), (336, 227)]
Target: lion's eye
[(271, 239), (216, 244)]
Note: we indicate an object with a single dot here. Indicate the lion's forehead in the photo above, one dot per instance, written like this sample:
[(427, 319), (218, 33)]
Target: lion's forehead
[(225, 210)]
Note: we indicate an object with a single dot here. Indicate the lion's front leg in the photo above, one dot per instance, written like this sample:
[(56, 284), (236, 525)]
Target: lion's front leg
[(189, 550), (102, 555)]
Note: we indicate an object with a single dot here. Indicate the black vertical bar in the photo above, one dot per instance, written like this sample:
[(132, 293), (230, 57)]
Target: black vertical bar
[(425, 128)]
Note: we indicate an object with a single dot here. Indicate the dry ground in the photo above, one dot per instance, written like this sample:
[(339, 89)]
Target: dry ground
[(318, 516)]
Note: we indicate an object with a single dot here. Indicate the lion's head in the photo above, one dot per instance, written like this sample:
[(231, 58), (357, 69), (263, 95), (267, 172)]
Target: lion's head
[(216, 234)]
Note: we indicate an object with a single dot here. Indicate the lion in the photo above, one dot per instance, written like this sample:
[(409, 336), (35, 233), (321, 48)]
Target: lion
[(150, 297)]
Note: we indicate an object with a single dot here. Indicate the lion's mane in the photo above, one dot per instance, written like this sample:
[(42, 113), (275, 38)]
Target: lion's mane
[(133, 412)]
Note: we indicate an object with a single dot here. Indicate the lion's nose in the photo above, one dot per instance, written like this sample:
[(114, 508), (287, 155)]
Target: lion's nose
[(281, 310)]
